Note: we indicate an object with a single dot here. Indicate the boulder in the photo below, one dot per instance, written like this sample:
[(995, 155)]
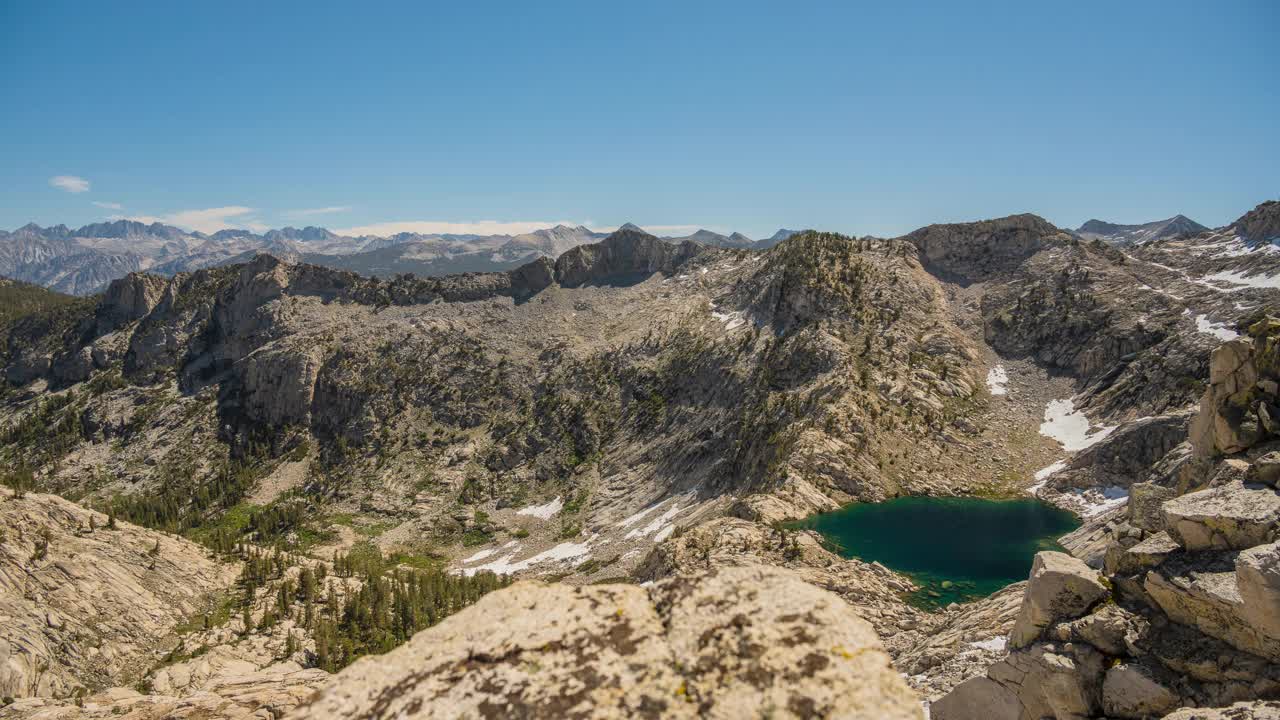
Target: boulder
[(1265, 470), (1144, 555), (1111, 629), (725, 643), (1202, 591), (1258, 580), (1222, 426), (1145, 505), (1131, 691), (1232, 516), (1060, 588), (977, 697), (1044, 681)]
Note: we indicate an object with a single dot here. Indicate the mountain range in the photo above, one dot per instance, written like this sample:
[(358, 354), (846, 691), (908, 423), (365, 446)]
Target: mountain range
[(82, 261), (1178, 225), (276, 489)]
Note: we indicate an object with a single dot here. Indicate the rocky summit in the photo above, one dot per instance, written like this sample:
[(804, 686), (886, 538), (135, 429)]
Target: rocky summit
[(243, 480)]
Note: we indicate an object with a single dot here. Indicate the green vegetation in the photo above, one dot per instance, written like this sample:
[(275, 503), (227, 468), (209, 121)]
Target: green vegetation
[(179, 504), (19, 299), (383, 606)]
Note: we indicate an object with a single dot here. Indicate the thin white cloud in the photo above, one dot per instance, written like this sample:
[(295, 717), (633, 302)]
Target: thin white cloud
[(208, 220), (311, 212), (442, 227), (70, 183), (108, 205)]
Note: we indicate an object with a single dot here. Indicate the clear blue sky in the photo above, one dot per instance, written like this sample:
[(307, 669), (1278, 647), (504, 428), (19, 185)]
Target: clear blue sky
[(858, 117)]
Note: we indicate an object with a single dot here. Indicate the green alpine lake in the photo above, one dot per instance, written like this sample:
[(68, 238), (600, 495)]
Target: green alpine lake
[(955, 549)]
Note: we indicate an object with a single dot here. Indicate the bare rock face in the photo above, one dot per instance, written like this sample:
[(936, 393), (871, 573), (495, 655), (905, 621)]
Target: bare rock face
[(1240, 407), (1146, 505), (1205, 593), (735, 642), (267, 693), (976, 251), (624, 253), (1233, 516), (1258, 579), (279, 384), (1261, 224), (130, 298), (84, 607), (1130, 691), (1061, 587), (1044, 680)]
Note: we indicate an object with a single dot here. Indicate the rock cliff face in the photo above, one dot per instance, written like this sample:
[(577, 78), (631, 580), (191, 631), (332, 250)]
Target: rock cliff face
[(624, 255), (974, 252), (86, 605), (1262, 224), (731, 642)]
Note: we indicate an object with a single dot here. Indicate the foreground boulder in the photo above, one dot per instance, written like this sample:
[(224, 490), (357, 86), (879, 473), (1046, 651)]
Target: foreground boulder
[(735, 642), (1060, 588), (1232, 516)]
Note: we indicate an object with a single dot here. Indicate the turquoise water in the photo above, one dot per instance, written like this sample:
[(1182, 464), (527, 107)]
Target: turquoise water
[(955, 549)]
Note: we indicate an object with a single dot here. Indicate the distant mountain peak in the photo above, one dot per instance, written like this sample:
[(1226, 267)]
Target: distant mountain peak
[(1120, 234), (632, 227)]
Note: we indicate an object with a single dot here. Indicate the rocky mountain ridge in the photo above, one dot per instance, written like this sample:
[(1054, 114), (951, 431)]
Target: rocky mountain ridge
[(82, 261), (1128, 235), (640, 411)]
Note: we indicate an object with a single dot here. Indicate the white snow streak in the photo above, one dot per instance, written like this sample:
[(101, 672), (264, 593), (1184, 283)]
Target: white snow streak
[(543, 512)]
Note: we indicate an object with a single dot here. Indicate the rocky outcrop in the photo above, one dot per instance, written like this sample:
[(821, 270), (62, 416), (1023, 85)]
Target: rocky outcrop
[(1232, 516), (1060, 588), (623, 255), (268, 693), (734, 642), (1261, 224), (84, 604), (973, 252), (1241, 406), (128, 299)]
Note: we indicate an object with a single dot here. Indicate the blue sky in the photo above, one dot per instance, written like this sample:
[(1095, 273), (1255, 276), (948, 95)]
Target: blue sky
[(858, 117)]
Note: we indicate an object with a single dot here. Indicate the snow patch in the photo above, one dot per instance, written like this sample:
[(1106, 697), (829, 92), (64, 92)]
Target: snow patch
[(543, 512), (1218, 330), (1092, 502), (1244, 282), (996, 643), (508, 565), (656, 525), (1070, 427), (997, 380), (1043, 475), (480, 555), (731, 320), (637, 517)]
